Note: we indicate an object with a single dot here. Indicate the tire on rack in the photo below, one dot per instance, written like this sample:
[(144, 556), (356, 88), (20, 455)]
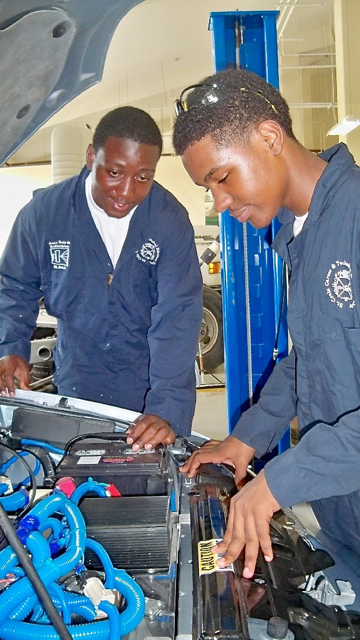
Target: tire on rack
[(211, 333)]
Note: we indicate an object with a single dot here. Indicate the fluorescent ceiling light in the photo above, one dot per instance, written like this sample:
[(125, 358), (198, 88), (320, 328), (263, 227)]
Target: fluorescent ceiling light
[(344, 127)]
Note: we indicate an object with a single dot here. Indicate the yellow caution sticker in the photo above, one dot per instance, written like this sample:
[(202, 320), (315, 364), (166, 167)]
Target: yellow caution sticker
[(208, 559)]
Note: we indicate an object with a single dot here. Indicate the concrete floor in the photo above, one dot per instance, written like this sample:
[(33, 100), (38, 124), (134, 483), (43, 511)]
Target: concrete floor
[(210, 417)]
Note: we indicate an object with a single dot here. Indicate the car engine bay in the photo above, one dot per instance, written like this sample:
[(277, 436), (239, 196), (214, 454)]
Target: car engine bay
[(122, 541)]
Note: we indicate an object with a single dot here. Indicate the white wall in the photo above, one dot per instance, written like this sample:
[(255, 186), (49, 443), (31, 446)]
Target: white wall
[(16, 187), (68, 151), (171, 174)]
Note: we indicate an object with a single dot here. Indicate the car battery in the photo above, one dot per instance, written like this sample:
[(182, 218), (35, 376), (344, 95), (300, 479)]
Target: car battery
[(132, 472)]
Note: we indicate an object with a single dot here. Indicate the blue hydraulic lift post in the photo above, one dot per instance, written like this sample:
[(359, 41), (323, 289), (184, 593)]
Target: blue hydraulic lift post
[(251, 271)]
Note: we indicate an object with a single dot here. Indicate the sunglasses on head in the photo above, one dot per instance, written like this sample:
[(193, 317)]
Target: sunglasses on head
[(211, 95)]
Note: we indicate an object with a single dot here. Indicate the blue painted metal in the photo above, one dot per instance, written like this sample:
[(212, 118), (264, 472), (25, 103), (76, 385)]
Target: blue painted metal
[(251, 271)]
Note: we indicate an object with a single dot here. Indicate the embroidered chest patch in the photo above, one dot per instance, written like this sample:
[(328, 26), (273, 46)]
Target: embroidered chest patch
[(59, 254), (338, 284), (149, 252)]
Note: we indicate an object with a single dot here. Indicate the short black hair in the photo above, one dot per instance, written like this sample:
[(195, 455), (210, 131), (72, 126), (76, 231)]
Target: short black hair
[(242, 100), (129, 123)]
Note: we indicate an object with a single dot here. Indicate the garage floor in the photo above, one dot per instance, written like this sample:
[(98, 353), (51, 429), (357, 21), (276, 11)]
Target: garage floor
[(210, 417)]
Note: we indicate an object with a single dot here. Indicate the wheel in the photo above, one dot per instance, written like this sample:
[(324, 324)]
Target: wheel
[(211, 333)]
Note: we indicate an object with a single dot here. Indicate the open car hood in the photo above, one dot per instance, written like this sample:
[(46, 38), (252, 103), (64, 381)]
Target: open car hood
[(50, 53), (162, 528)]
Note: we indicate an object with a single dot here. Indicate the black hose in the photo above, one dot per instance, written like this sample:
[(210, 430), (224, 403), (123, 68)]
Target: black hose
[(46, 462), (98, 436), (33, 576)]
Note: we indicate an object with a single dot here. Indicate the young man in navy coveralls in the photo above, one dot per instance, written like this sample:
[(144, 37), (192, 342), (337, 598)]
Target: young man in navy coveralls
[(235, 137), (113, 255)]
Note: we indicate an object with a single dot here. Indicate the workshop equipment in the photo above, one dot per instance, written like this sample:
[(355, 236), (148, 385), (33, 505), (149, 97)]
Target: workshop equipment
[(251, 272)]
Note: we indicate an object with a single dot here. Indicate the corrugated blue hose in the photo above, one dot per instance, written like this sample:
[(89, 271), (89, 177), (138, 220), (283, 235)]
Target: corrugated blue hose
[(19, 600)]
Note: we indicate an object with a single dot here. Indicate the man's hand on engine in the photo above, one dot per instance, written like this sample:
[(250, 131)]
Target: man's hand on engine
[(230, 451), (250, 509), (148, 432), (248, 525), (12, 367)]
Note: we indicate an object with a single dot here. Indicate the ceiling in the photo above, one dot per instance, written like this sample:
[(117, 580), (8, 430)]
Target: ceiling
[(163, 45)]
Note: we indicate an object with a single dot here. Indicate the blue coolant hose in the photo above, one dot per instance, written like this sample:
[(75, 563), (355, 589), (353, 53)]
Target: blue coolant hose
[(87, 487), (15, 501), (43, 445), (61, 554)]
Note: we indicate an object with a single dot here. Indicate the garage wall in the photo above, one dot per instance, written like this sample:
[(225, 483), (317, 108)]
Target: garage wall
[(16, 187), (171, 174)]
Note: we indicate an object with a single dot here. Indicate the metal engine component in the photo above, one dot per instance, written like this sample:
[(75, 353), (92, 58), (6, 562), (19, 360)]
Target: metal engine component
[(42, 350)]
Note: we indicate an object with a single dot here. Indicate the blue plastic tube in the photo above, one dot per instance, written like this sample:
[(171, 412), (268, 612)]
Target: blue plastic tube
[(88, 487), (15, 501), (24, 608), (3, 488), (85, 611), (129, 619), (10, 461), (74, 603), (104, 558), (27, 631), (114, 619), (14, 459), (135, 600), (19, 600), (52, 523), (8, 560), (51, 572), (60, 596), (38, 548), (43, 445)]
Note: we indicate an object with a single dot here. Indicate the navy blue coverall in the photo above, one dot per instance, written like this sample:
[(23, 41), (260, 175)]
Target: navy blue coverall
[(126, 336), (320, 380)]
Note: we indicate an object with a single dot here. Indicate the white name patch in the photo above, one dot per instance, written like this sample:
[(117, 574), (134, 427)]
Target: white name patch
[(59, 254)]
